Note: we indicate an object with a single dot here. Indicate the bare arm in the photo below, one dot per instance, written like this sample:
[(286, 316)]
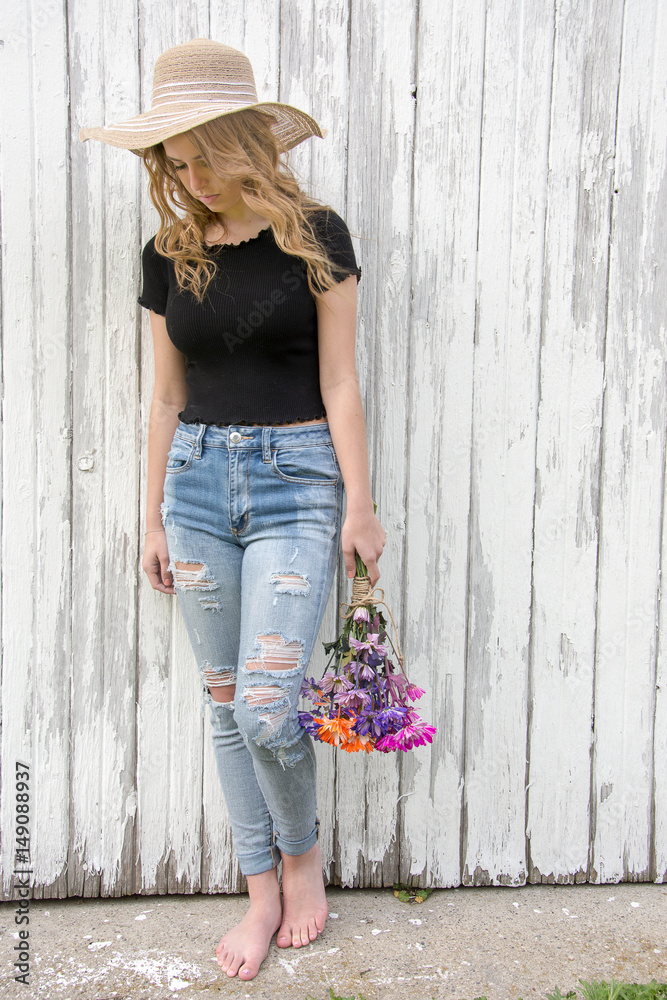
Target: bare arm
[(337, 323), (169, 397)]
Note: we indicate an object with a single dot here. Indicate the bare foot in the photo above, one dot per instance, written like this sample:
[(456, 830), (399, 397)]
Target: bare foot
[(243, 949), (304, 901)]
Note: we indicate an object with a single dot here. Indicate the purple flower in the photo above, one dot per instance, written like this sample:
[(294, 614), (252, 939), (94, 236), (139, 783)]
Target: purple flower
[(392, 716), (361, 615), (332, 683), (310, 689), (367, 725), (370, 644), (356, 698), (307, 722), (364, 672)]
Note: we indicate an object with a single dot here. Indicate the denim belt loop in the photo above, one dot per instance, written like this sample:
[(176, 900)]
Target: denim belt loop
[(198, 440), (266, 444)]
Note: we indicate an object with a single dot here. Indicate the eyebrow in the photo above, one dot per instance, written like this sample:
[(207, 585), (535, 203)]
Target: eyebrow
[(176, 159)]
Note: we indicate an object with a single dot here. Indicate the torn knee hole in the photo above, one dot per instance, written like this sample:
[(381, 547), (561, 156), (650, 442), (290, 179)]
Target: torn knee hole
[(262, 694), (193, 576), (290, 583), (276, 653), (217, 678)]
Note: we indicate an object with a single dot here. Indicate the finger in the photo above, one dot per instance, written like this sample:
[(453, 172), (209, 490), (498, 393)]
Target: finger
[(350, 562), (155, 579), (373, 571), (166, 572)]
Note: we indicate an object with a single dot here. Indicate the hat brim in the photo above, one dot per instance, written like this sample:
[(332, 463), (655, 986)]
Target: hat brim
[(290, 125)]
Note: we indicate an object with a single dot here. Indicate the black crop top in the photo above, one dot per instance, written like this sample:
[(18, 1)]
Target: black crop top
[(251, 345)]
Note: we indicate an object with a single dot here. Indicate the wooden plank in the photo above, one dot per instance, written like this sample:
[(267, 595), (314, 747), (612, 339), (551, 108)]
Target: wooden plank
[(23, 301), (659, 846), (171, 730), (517, 92), (379, 196), (104, 87), (325, 93), (449, 109), (49, 306), (635, 409), (657, 190), (583, 121), (390, 418)]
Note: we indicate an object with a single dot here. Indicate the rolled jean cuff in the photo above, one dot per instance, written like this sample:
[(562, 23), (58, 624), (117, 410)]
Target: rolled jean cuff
[(295, 848), (262, 861)]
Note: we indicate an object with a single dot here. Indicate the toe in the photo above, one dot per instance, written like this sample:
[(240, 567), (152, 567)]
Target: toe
[(285, 938), (233, 966), (247, 972)]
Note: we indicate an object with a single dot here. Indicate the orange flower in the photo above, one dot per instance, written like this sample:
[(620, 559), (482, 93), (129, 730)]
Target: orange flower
[(334, 731), (355, 743)]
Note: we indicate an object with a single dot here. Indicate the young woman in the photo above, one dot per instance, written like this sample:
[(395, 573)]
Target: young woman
[(256, 430)]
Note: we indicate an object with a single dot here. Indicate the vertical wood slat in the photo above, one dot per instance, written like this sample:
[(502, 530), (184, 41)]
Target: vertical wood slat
[(326, 95), (517, 73), (449, 108), (19, 425), (583, 120), (105, 476), (35, 448), (171, 749), (86, 859), (51, 586), (367, 833), (632, 481), (363, 194)]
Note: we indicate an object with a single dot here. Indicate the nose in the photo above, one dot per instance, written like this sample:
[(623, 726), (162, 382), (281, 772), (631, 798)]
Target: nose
[(197, 177)]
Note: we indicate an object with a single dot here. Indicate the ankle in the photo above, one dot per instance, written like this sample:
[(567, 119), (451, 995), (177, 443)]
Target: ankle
[(263, 888)]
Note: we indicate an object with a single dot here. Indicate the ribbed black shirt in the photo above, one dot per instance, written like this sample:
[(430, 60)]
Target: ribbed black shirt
[(251, 345)]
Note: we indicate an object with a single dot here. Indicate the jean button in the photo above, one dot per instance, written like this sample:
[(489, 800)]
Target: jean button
[(235, 437)]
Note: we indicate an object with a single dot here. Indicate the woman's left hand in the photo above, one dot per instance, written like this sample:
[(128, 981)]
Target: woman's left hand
[(363, 533)]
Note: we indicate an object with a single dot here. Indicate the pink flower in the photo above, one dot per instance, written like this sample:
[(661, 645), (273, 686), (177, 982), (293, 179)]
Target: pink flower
[(361, 615), (414, 734), (387, 743), (413, 692)]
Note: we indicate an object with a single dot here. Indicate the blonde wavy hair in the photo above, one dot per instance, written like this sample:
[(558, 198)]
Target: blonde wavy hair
[(238, 147)]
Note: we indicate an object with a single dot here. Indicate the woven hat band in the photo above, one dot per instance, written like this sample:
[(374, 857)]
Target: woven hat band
[(233, 95)]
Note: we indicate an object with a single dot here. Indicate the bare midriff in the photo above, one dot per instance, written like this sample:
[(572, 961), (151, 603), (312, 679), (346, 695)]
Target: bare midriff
[(300, 423)]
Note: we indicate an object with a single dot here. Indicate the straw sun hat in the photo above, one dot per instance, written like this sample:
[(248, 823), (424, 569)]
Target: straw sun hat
[(194, 83)]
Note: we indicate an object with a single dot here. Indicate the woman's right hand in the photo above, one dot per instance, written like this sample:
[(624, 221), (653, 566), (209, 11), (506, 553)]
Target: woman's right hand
[(156, 561)]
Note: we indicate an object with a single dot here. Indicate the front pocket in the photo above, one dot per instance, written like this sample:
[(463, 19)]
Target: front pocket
[(180, 456), (313, 466)]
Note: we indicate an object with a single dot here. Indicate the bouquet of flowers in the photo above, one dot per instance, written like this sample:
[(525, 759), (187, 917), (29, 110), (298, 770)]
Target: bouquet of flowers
[(362, 702)]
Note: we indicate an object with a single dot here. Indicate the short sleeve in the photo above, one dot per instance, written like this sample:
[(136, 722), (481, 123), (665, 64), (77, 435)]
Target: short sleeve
[(333, 234), (155, 288)]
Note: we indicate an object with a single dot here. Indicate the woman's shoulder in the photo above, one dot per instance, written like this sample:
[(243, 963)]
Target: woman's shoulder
[(152, 260), (327, 222)]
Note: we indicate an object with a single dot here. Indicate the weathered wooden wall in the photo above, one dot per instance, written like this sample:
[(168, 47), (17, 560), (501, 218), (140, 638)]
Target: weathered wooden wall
[(502, 165)]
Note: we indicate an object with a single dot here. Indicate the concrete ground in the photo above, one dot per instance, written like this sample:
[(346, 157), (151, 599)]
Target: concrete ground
[(501, 943)]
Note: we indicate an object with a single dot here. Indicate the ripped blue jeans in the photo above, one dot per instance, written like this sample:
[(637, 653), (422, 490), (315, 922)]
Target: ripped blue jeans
[(253, 518)]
